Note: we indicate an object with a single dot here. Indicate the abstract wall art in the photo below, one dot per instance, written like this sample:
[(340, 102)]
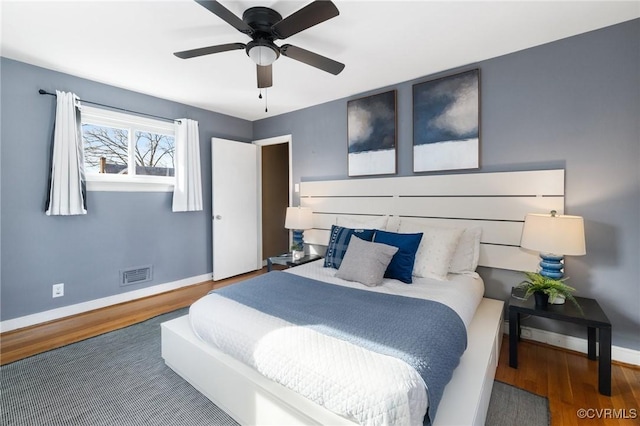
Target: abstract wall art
[(446, 116), (371, 128)]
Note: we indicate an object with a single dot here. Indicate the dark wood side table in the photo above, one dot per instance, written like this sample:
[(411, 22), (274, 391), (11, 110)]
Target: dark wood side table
[(594, 318), (287, 260)]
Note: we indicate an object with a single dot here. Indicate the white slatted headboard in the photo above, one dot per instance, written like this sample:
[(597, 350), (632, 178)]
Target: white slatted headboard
[(497, 202)]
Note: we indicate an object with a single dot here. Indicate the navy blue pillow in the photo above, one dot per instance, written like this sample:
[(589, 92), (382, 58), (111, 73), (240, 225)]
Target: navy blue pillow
[(339, 241), (401, 266)]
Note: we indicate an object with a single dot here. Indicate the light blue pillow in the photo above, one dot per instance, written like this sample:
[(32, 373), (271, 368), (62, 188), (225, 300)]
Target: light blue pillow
[(339, 241), (365, 262), (401, 266)]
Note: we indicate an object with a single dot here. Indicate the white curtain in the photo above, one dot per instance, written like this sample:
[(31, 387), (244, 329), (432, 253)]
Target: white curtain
[(67, 193), (187, 193)]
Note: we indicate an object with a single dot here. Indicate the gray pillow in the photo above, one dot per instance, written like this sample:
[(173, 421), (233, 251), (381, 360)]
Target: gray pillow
[(365, 262)]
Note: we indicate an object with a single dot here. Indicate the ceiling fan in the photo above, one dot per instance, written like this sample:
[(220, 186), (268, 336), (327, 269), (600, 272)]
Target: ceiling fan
[(264, 26)]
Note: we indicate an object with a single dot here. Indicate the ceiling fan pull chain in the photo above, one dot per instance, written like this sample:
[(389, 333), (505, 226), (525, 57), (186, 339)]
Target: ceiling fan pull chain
[(266, 109), (260, 95)]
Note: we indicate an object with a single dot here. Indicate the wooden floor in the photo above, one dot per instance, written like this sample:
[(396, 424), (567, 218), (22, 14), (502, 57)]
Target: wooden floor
[(570, 381), (567, 379), (24, 342)]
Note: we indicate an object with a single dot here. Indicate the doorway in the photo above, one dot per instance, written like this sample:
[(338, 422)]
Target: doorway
[(275, 193)]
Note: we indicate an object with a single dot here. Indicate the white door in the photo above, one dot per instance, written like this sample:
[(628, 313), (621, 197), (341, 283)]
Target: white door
[(235, 208)]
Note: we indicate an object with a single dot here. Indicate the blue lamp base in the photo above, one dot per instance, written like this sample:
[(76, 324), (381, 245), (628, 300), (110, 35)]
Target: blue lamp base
[(297, 237), (299, 243), (551, 266)]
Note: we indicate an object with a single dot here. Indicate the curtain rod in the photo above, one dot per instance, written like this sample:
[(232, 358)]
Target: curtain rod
[(44, 92)]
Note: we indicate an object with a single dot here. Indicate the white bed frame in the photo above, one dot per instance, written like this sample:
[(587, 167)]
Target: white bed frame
[(497, 202)]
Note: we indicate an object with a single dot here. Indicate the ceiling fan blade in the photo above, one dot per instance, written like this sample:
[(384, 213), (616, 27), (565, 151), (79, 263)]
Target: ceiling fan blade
[(313, 59), (226, 15), (265, 76), (186, 54), (310, 15)]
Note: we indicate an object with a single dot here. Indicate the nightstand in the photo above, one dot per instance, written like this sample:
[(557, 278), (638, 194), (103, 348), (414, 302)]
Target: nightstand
[(287, 260), (593, 318)]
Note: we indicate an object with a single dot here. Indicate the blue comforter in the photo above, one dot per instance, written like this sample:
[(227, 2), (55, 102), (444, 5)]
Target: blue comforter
[(427, 335)]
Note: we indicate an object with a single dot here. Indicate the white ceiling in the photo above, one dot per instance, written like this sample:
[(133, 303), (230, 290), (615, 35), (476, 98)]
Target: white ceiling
[(129, 44)]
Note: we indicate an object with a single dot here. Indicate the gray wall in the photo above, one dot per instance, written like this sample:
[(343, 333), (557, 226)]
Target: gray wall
[(572, 104), (120, 230)]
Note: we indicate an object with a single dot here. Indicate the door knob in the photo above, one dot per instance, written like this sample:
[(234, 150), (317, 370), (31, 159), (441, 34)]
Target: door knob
[(218, 217)]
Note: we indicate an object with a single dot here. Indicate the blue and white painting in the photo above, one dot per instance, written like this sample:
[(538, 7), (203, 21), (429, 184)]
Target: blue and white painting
[(445, 123), (371, 128)]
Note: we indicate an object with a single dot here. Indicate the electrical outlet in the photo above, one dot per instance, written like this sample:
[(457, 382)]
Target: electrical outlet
[(58, 290)]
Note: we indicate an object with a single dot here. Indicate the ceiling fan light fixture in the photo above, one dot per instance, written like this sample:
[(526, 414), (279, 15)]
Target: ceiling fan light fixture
[(262, 55), (265, 25)]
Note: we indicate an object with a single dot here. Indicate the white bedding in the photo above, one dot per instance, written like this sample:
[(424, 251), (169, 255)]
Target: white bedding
[(356, 383)]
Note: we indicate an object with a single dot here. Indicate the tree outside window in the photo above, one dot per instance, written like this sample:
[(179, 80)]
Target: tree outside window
[(112, 149)]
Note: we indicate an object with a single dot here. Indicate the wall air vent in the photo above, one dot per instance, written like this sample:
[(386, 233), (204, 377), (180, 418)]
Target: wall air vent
[(137, 275)]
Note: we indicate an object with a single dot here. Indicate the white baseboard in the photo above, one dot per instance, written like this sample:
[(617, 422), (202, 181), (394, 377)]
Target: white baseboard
[(620, 354), (65, 311)]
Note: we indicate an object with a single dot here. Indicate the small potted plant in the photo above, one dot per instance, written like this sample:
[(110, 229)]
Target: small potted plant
[(545, 289), (297, 251)]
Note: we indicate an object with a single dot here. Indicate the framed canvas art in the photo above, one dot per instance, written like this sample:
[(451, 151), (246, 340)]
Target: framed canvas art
[(446, 116), (371, 139)]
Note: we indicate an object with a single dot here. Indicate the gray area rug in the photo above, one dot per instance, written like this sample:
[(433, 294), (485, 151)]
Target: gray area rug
[(512, 406), (119, 378)]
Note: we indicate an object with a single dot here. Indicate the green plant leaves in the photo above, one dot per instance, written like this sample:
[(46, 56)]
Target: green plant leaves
[(549, 286)]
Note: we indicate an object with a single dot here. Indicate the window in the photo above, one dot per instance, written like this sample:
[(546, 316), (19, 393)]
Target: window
[(125, 152)]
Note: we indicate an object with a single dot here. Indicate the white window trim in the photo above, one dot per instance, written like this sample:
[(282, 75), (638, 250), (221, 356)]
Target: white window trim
[(122, 183), (127, 183)]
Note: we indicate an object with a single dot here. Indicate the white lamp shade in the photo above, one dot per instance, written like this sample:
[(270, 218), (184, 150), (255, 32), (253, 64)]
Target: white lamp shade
[(559, 234), (263, 55), (298, 218)]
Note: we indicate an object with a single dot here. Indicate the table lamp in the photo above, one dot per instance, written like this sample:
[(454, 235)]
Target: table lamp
[(554, 236), (298, 219)]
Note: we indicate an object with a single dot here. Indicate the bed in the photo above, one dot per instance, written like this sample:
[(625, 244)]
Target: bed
[(244, 384)]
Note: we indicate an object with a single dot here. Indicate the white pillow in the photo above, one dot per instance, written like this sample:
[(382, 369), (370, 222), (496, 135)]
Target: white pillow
[(436, 250), (465, 258), (393, 224), (363, 223)]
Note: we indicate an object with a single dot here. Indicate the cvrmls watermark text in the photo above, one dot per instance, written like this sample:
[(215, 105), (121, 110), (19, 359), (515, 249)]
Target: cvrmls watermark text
[(607, 413)]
